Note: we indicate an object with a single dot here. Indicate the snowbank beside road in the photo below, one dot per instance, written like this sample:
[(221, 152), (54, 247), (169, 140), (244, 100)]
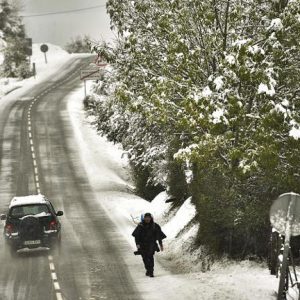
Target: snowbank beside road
[(108, 175), (184, 215)]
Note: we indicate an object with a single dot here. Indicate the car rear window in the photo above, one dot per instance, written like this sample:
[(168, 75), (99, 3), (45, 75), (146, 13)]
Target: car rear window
[(25, 210)]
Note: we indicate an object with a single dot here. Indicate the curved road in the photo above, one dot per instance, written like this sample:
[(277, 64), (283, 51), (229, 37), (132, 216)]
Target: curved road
[(36, 153)]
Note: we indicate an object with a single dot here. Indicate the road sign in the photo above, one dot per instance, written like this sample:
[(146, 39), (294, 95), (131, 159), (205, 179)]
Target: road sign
[(44, 48), (90, 74), (285, 218), (286, 210)]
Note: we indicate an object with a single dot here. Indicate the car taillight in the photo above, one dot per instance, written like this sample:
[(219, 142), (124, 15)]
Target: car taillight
[(9, 228), (53, 225)]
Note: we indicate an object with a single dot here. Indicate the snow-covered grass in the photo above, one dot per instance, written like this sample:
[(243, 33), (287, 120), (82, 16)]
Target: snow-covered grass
[(185, 280)]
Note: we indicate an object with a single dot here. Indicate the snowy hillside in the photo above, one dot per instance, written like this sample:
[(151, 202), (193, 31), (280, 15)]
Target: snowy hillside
[(56, 56)]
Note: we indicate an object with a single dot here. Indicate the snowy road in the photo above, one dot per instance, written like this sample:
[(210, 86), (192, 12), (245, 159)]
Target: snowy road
[(90, 265)]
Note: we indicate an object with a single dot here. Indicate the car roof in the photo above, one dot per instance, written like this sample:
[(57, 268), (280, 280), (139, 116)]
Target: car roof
[(27, 200)]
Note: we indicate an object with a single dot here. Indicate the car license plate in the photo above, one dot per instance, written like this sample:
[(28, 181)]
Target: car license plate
[(36, 242)]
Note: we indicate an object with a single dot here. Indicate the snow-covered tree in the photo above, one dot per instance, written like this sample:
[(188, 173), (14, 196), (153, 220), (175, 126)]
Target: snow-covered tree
[(13, 43), (212, 88), (79, 44)]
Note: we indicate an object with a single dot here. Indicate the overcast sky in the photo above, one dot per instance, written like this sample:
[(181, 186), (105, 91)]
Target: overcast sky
[(59, 29)]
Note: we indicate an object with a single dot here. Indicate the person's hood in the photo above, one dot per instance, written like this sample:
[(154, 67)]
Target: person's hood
[(147, 214)]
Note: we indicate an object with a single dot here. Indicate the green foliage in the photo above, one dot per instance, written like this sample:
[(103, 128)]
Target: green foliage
[(143, 184), (16, 63), (23, 70), (176, 179)]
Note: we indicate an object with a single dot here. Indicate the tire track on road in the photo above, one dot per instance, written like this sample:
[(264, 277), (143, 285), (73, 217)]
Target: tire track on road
[(54, 278), (56, 285)]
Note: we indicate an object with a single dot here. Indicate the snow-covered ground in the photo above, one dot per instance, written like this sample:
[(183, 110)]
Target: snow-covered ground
[(56, 57), (225, 280)]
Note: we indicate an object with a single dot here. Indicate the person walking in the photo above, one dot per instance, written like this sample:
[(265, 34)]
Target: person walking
[(146, 235)]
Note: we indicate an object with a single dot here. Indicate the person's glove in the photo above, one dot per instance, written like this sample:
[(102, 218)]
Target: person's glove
[(161, 248)]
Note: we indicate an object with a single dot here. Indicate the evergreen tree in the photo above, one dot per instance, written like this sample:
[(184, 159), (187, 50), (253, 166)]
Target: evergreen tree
[(16, 63)]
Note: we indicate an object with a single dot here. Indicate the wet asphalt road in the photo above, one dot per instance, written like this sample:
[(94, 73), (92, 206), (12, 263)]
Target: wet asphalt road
[(89, 264)]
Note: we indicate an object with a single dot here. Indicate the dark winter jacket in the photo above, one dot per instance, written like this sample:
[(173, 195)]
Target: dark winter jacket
[(146, 236)]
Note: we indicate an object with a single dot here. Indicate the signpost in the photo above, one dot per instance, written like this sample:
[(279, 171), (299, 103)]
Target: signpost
[(91, 72), (34, 70), (285, 218), (44, 48)]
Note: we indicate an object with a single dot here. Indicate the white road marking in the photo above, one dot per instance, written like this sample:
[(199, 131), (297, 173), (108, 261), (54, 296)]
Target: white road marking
[(56, 286), (51, 265), (36, 171), (54, 276), (37, 184), (59, 296)]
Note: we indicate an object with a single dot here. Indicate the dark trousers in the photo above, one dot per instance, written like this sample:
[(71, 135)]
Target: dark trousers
[(148, 260)]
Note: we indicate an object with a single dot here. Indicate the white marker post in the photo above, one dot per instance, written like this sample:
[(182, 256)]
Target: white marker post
[(285, 218)]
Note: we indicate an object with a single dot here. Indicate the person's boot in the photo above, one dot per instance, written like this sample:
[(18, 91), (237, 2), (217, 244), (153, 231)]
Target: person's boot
[(147, 273), (151, 274)]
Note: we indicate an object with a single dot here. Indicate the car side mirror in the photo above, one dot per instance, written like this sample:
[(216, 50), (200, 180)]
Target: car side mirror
[(59, 213), (3, 217)]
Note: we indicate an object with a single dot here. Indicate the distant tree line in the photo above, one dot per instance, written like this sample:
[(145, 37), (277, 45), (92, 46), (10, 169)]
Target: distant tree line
[(80, 44)]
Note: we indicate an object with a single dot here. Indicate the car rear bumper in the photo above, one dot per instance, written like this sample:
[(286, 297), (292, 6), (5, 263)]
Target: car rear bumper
[(47, 240)]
